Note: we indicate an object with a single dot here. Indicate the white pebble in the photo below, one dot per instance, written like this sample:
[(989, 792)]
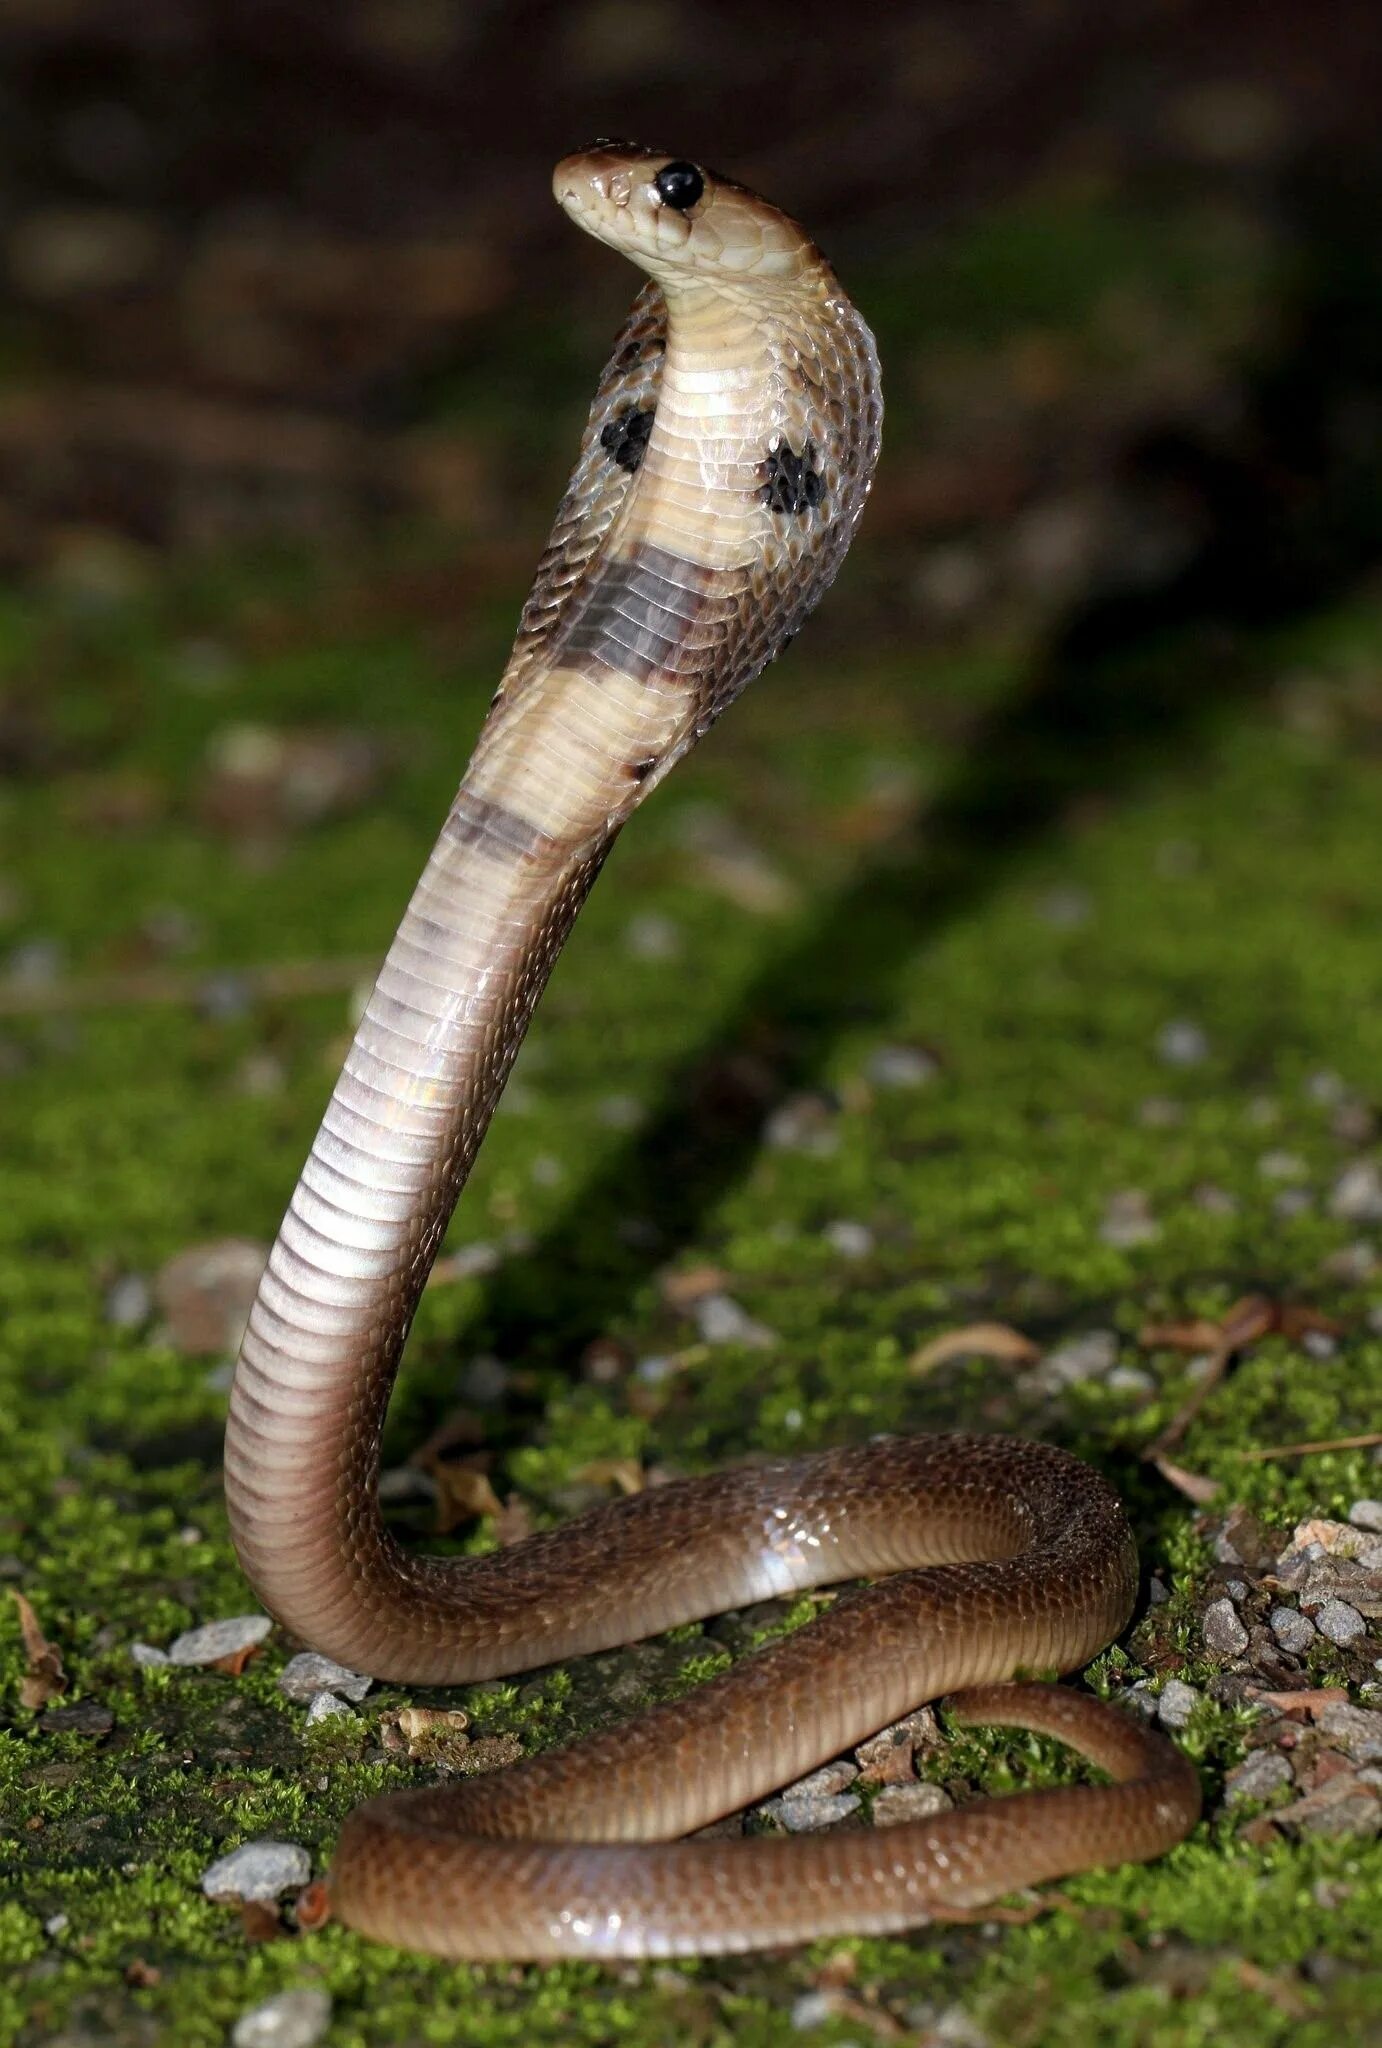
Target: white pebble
[(1182, 1044), (290, 2019), (217, 1639), (148, 1656), (1366, 1514), (326, 1706), (303, 1676), (258, 1870)]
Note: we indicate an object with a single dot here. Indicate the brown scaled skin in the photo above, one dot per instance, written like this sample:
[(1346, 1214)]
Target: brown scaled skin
[(724, 468)]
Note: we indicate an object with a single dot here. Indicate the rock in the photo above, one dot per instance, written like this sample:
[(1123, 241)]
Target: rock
[(1082, 1358), (258, 1870), (816, 1801), (901, 1066), (129, 1302), (217, 1639), (851, 1240), (1366, 1514), (1356, 1196), (1257, 1777), (1341, 1623), (307, 1674), (1223, 1632), (1128, 1221), (86, 1717), (326, 1706), (1341, 1806), (804, 1123), (917, 1801), (1182, 1044), (1357, 1731), (290, 2019), (148, 1657), (1131, 1379), (1176, 1702), (1293, 1630), (721, 1320)]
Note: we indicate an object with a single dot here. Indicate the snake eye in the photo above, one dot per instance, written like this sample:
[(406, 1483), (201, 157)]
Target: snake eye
[(679, 185)]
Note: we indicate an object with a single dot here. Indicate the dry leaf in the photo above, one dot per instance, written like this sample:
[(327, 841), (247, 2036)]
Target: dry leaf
[(464, 1494), (143, 1976), (976, 1340), (1311, 1703), (625, 1473), (513, 1522), (260, 1920), (45, 1677), (681, 1290), (1193, 1485)]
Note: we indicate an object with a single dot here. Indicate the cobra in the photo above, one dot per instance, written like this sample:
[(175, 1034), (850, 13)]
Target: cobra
[(722, 473)]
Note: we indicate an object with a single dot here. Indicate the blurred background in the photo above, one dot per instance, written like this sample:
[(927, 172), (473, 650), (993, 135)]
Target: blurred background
[(278, 271)]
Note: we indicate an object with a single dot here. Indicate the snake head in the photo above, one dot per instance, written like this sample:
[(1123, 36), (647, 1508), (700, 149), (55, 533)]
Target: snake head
[(677, 220)]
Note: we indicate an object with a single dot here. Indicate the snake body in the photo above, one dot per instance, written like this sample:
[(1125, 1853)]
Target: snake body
[(723, 470)]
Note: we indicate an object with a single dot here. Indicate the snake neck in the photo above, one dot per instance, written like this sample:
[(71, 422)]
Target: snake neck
[(743, 501)]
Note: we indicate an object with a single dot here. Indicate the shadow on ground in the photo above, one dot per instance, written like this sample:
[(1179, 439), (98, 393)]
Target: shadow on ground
[(1283, 512)]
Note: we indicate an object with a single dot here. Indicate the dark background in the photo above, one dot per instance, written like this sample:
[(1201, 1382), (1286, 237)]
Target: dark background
[(288, 270)]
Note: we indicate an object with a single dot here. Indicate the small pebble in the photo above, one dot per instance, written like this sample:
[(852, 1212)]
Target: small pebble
[(900, 1066), (1325, 1088), (804, 1123), (1356, 1195), (850, 1240), (307, 1674), (1223, 1632), (1281, 1165), (1176, 1703), (919, 1801), (217, 1639), (1257, 1777), (1340, 1622), (326, 1706), (1131, 1379), (1214, 1201), (652, 937), (1082, 1358), (1319, 1344), (804, 1816), (290, 2019), (129, 1302), (56, 1924), (1366, 1514), (1293, 1630), (1128, 1221), (721, 1320), (258, 1870), (148, 1656), (1182, 1044), (1292, 1202), (1357, 1731)]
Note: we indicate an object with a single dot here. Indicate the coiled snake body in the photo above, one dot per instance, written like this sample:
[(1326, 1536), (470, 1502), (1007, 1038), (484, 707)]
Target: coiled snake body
[(723, 470)]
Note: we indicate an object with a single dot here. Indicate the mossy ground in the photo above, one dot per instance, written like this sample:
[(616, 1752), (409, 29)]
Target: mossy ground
[(1216, 863)]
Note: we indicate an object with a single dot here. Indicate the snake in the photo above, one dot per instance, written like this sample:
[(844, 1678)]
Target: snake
[(723, 470)]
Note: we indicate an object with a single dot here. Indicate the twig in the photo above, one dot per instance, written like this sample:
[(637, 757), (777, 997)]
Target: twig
[(1332, 1443), (188, 985)]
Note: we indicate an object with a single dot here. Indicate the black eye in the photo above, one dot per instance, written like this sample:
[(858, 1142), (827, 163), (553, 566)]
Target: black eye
[(679, 185)]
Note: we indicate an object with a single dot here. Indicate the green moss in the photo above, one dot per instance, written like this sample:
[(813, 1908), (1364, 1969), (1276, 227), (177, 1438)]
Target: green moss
[(1229, 877)]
